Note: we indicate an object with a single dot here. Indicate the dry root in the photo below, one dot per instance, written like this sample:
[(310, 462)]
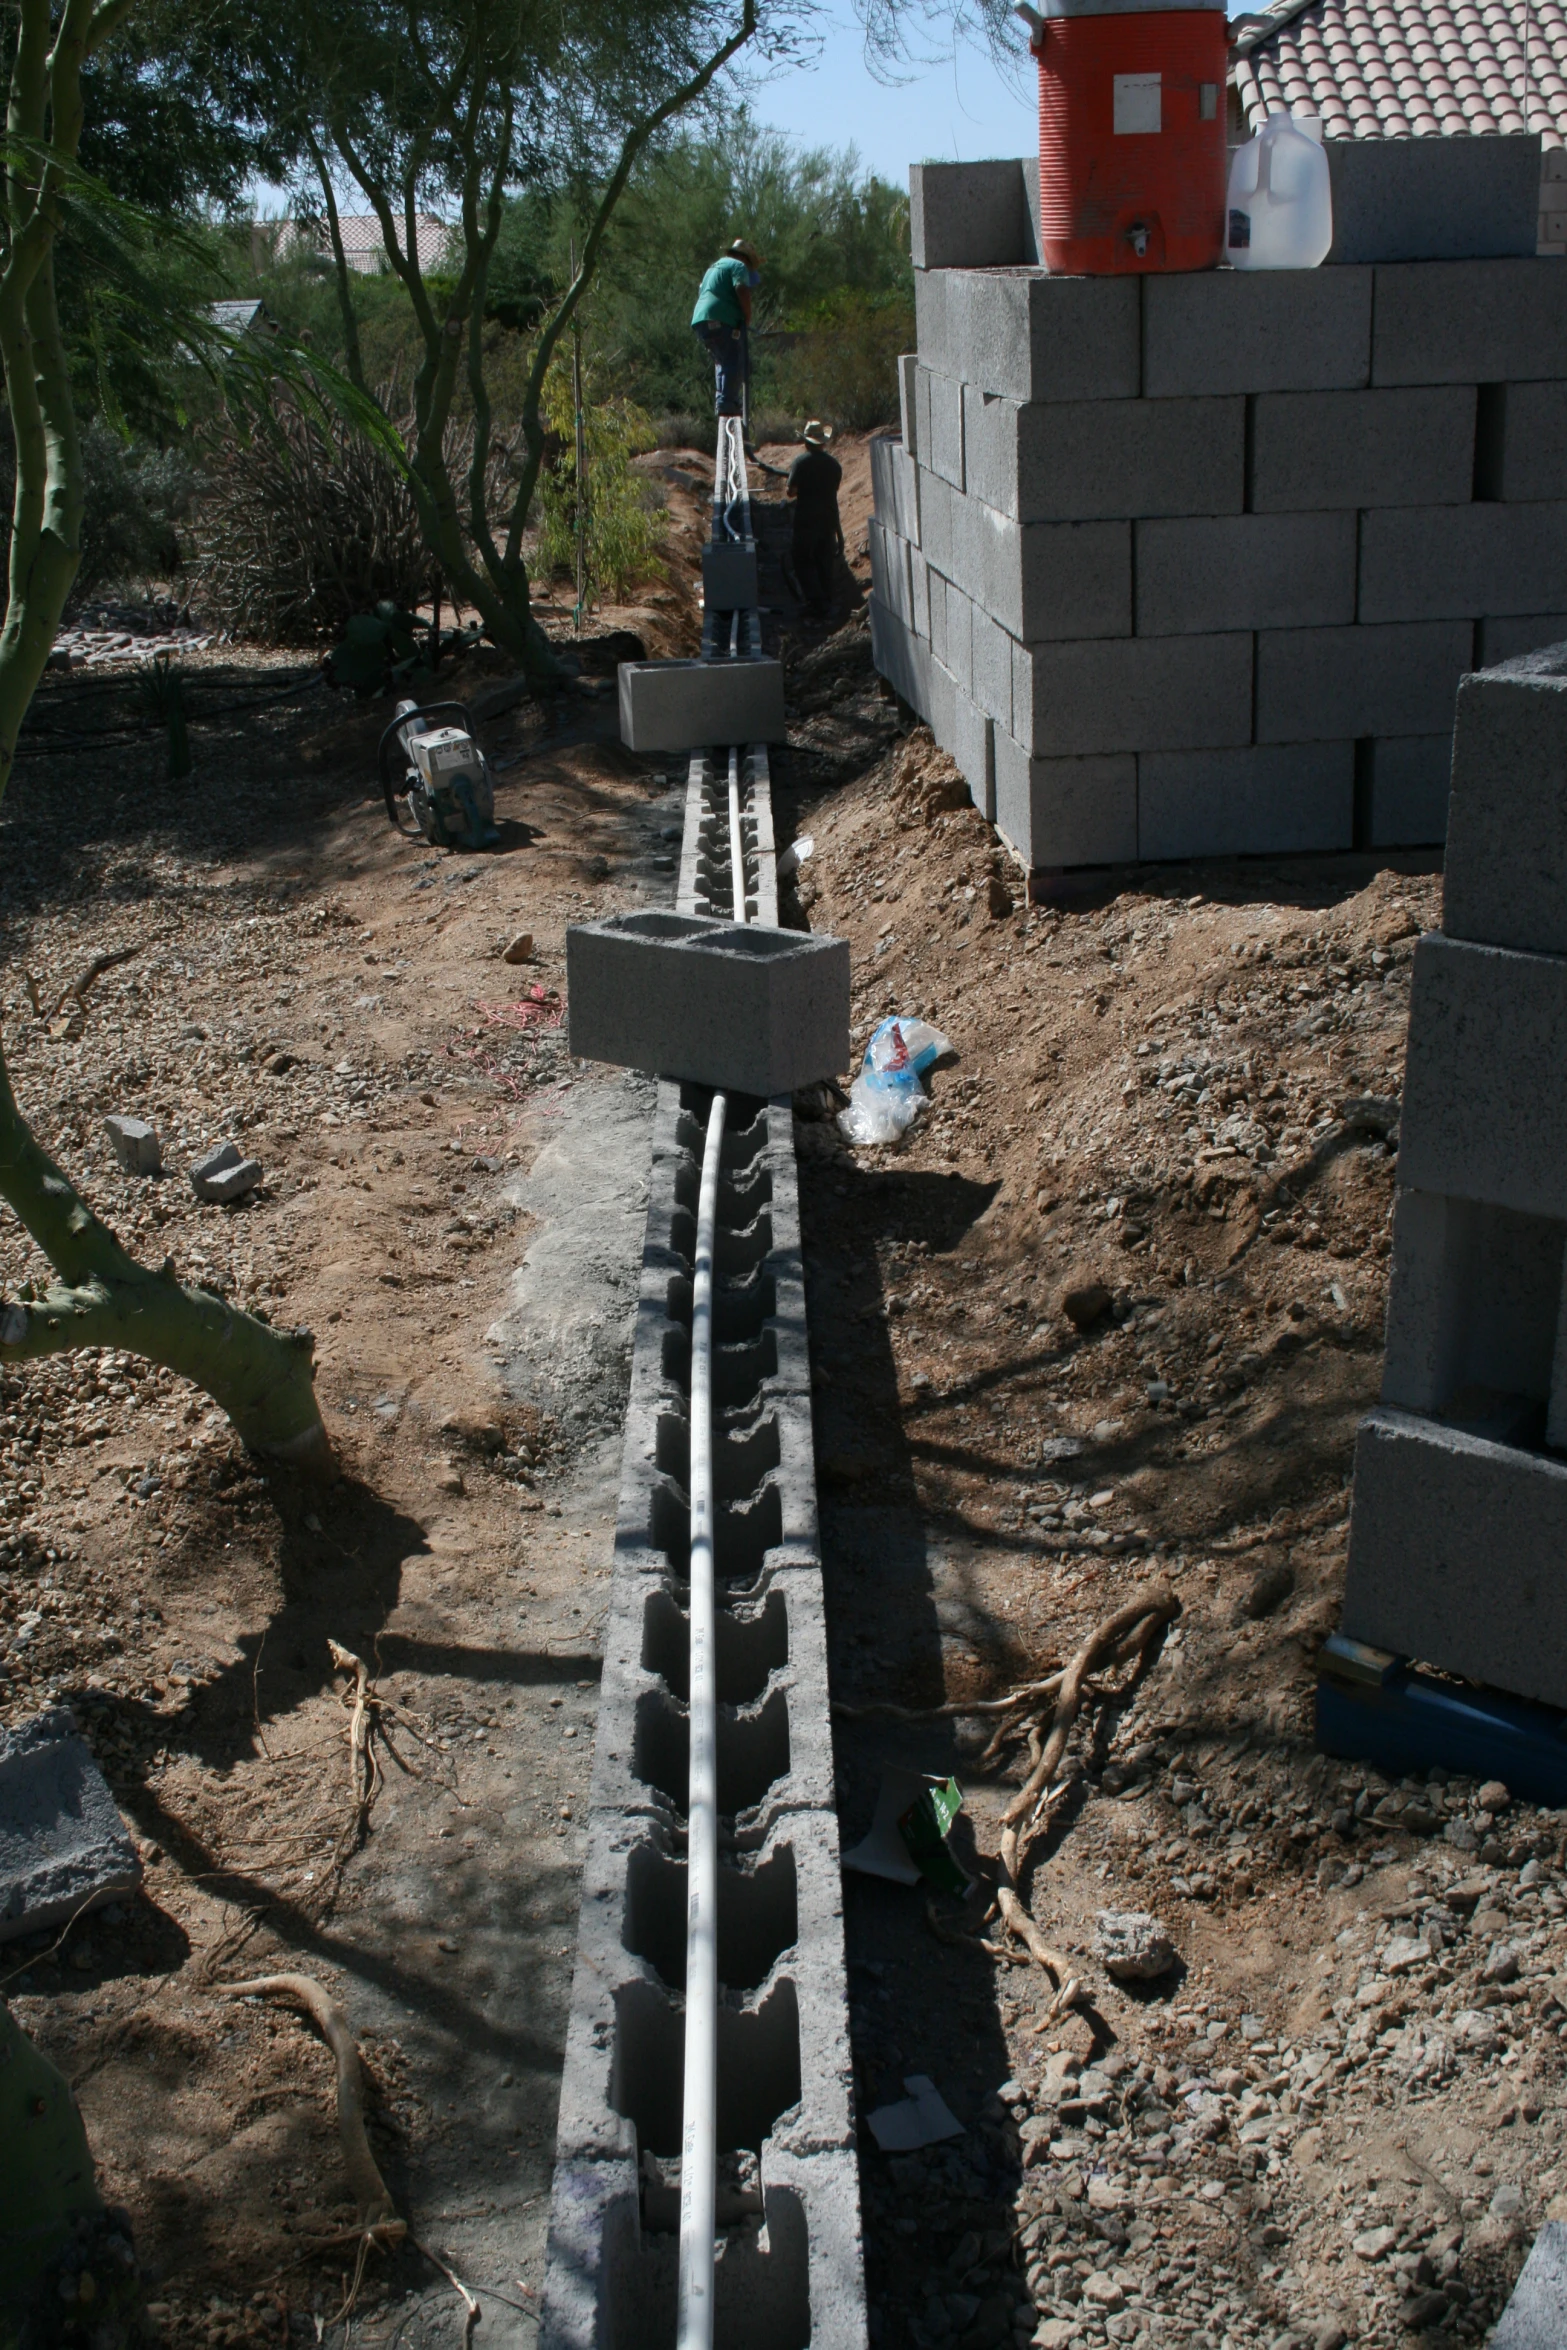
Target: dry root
[(378, 2219), (366, 1770)]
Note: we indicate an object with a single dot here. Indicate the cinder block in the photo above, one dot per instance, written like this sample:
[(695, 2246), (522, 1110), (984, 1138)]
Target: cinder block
[(1108, 460), (946, 429), (959, 653), (974, 751), (930, 336), (968, 215), (1029, 336), (1058, 812), (1472, 1304), (1505, 638), (1058, 580), (938, 615), (1132, 694), (1451, 562), (1410, 775), (135, 1145), (936, 503), (942, 692), (1235, 330), (1315, 450), (1246, 802), (1536, 2316), (685, 705), (1455, 1551), (729, 577), (1245, 571), (711, 1003), (901, 657), (1323, 684), (919, 582), (967, 569), (1529, 421), (1469, 322), (992, 667), (1485, 1083), (891, 580), (63, 1846), (921, 444), (895, 487), (1434, 199), (908, 403), (1507, 823)]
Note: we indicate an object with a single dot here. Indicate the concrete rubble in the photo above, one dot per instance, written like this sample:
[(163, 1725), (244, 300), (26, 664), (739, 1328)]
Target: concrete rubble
[(224, 1175), (135, 1145), (63, 1847)]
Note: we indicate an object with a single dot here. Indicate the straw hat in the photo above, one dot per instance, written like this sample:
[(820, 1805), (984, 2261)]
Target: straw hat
[(816, 434), (747, 253)]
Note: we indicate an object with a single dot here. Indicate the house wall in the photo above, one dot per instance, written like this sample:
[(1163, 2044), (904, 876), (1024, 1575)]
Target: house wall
[(1192, 565)]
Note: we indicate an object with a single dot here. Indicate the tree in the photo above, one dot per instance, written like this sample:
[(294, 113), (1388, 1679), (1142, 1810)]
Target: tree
[(455, 108), (261, 1377)]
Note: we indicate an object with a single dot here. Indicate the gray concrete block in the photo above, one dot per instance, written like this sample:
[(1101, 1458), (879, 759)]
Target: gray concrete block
[(1409, 784), (135, 1145), (687, 705), (901, 657), (974, 751), (958, 653), (1530, 423), (1132, 694), (1317, 450), (1029, 336), (1430, 199), (711, 1003), (1265, 330), (1536, 2316), (1506, 879), (1246, 802), (1506, 637), (919, 583), (1064, 812), (968, 215), (966, 568), (908, 402), (992, 667), (1107, 460), (1469, 322), (942, 715), (1456, 562), (930, 336), (1322, 684), (1431, 1573), (1485, 1086), (1473, 1303), (891, 579), (1245, 571), (729, 577), (938, 615), (936, 504), (1041, 580), (946, 429), (895, 487), (63, 1846), (224, 1175), (921, 443)]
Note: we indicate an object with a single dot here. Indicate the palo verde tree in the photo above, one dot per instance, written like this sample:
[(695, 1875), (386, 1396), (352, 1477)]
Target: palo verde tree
[(453, 108), (100, 1296)]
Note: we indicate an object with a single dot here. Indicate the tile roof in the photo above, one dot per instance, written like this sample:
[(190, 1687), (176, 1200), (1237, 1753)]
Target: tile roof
[(1398, 69)]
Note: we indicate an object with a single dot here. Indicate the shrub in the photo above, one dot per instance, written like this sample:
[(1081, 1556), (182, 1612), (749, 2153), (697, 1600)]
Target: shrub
[(624, 526), (843, 364)]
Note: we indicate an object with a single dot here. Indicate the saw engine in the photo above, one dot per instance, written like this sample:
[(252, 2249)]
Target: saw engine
[(445, 789)]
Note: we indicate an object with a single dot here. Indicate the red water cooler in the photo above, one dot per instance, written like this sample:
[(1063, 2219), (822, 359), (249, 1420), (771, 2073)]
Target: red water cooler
[(1132, 156)]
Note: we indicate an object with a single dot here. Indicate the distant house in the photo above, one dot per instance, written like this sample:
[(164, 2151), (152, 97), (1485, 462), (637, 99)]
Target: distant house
[(245, 317), (363, 249), (1414, 69)]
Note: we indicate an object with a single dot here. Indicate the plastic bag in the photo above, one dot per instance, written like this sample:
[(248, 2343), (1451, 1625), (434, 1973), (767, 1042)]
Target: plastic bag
[(887, 1096)]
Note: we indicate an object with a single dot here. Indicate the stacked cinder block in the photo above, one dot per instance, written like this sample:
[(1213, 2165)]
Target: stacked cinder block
[(1459, 1528), (1192, 565)]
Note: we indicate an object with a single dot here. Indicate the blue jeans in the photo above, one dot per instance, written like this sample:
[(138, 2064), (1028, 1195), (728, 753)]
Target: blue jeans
[(727, 348)]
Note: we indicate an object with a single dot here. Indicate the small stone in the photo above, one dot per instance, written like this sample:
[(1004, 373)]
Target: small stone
[(1268, 1589), (1053, 2333), (449, 1479), (135, 1144), (1103, 2292), (1086, 1306), (999, 898), (519, 949), (1329, 2337), (1374, 2243), (224, 1175), (1493, 1796), (1530, 1873), (1426, 2309), (1401, 1954), (1501, 1966), (63, 1845), (1507, 2202), (1132, 1945)]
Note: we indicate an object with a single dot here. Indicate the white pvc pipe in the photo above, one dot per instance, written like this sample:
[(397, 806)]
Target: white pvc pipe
[(736, 841), (699, 2120)]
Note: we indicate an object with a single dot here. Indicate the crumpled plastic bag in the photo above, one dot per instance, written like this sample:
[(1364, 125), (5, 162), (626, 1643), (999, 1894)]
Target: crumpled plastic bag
[(887, 1096)]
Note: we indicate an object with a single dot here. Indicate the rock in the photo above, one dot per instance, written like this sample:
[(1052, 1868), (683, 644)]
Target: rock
[(224, 1176), (1507, 2202), (1493, 1796), (1375, 2243), (135, 1144), (1475, 2033), (1401, 1953), (63, 1846), (519, 949), (1088, 1305), (1268, 1589), (998, 897), (1329, 2337), (278, 1064), (1132, 1945), (1053, 2333), (1425, 2309), (1102, 2292), (1501, 1966), (1104, 2195)]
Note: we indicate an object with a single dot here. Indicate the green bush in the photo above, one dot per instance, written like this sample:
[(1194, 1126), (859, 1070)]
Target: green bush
[(843, 364), (624, 528)]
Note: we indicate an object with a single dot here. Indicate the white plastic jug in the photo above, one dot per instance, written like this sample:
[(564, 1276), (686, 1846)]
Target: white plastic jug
[(1281, 203)]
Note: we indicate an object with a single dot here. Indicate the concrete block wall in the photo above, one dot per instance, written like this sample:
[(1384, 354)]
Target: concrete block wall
[(1193, 565), (1459, 1522)]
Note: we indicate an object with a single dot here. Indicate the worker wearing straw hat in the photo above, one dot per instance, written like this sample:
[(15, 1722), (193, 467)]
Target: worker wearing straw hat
[(818, 533), (722, 319)]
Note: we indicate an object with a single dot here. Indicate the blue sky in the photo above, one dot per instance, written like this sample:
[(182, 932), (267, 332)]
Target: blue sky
[(953, 107)]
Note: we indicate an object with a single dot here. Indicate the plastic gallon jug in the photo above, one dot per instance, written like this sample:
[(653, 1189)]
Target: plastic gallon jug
[(1131, 135), (1281, 202)]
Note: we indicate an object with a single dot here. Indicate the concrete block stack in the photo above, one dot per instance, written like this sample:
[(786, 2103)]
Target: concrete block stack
[(1192, 565), (1459, 1524)]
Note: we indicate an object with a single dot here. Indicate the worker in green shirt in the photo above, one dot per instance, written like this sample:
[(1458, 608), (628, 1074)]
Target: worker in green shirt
[(721, 319)]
